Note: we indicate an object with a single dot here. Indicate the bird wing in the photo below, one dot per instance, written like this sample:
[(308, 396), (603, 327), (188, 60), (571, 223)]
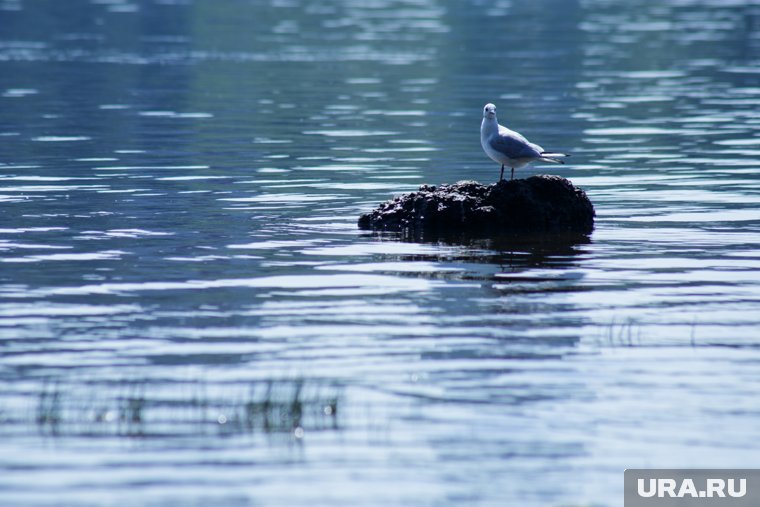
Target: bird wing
[(513, 145)]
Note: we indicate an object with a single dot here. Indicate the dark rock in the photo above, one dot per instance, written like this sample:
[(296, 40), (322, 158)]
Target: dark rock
[(538, 204)]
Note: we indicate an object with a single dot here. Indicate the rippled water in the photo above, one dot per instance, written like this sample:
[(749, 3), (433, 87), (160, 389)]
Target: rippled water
[(190, 316)]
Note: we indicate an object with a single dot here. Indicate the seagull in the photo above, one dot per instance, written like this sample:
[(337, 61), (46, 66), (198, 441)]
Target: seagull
[(510, 148)]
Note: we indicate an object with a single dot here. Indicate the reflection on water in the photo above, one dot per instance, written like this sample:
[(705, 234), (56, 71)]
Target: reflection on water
[(518, 250), (188, 312)]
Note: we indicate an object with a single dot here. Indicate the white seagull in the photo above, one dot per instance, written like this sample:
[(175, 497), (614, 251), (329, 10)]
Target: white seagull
[(510, 148)]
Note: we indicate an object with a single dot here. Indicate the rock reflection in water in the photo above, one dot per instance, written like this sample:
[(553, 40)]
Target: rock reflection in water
[(513, 250)]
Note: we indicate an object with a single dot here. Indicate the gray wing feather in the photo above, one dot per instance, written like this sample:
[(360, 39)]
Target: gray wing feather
[(514, 146)]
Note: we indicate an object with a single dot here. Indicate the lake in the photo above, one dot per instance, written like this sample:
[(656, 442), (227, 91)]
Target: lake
[(189, 314)]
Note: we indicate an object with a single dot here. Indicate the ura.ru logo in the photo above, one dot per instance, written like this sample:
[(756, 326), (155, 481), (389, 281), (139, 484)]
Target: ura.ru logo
[(713, 488)]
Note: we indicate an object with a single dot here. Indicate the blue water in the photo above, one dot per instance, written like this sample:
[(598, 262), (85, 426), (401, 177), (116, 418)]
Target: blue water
[(190, 316)]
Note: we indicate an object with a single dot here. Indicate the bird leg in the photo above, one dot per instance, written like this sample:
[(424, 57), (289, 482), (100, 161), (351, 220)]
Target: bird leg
[(502, 173)]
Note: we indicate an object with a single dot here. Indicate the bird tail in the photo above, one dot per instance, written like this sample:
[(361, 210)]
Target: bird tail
[(554, 158)]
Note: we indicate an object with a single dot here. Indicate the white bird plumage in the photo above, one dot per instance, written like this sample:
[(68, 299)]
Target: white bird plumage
[(510, 148)]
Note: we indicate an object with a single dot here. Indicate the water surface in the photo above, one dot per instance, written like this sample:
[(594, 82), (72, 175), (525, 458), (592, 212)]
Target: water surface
[(190, 316)]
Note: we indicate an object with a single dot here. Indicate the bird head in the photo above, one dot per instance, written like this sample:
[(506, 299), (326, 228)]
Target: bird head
[(489, 111)]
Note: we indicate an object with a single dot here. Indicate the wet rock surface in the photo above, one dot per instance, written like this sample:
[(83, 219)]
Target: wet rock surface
[(539, 204)]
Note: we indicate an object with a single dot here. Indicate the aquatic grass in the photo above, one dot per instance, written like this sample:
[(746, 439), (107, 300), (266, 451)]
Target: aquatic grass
[(631, 333), (186, 409), (623, 334), (49, 408)]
